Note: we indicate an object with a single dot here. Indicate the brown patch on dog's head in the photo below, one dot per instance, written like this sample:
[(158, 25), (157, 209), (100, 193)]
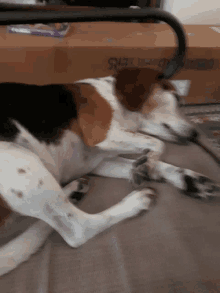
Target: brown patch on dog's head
[(134, 86), (151, 103), (94, 114)]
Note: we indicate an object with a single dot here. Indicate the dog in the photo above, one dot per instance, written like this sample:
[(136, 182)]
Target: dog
[(52, 135)]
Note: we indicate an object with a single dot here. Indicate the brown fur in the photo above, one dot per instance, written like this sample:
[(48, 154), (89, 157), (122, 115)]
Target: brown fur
[(135, 88), (135, 85), (94, 114), (150, 103)]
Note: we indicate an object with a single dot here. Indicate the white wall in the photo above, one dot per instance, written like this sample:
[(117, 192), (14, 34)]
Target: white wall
[(195, 11)]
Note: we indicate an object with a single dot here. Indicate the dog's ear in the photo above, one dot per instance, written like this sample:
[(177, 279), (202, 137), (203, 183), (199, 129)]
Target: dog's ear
[(94, 114), (166, 85), (134, 85)]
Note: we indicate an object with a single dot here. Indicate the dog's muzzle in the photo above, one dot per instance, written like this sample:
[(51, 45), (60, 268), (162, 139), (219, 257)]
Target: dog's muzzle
[(192, 137)]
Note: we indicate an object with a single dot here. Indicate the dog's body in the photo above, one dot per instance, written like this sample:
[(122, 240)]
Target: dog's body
[(52, 135)]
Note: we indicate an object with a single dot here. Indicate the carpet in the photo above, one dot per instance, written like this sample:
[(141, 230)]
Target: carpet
[(207, 118)]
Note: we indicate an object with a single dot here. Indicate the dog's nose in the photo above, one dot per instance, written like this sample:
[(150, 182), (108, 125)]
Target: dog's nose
[(194, 136)]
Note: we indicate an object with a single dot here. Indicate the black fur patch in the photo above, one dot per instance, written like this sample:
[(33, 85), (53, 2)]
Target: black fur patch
[(43, 110), (140, 161), (190, 186), (138, 179), (202, 180), (78, 196)]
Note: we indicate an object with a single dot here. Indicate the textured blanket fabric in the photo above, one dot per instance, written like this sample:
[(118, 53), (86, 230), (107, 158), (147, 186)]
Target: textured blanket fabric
[(207, 118), (172, 248)]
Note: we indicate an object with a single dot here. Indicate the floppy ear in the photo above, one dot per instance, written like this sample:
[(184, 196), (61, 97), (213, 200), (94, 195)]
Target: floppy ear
[(94, 114), (134, 85), (166, 85)]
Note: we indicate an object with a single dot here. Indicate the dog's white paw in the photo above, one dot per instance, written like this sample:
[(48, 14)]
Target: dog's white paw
[(138, 201), (77, 189)]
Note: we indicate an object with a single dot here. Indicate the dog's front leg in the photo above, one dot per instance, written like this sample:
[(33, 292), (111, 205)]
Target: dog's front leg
[(120, 141), (116, 167), (77, 188), (136, 171), (30, 189)]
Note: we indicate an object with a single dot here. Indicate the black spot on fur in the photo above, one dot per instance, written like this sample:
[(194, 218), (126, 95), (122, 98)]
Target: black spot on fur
[(44, 110), (190, 186), (140, 161), (161, 180), (137, 179), (203, 180), (146, 151), (80, 187), (48, 208), (18, 193), (78, 196), (70, 215), (108, 81), (21, 171), (40, 183), (211, 189)]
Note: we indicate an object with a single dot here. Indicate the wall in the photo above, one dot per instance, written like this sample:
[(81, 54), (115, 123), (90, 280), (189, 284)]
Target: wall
[(195, 11)]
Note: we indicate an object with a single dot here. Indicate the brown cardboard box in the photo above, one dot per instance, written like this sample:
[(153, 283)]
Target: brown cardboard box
[(98, 49)]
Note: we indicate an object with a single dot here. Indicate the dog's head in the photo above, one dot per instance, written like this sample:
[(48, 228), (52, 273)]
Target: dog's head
[(141, 89)]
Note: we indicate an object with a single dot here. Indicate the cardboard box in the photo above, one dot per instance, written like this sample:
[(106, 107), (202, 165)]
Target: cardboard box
[(99, 49)]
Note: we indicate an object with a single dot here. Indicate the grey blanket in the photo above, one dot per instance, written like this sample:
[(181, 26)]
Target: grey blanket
[(173, 248)]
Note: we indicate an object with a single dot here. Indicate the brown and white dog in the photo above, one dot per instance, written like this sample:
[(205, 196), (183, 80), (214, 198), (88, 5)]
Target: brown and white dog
[(51, 135)]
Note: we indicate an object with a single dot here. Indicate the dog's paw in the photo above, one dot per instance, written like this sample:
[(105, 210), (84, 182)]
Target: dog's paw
[(83, 185), (198, 186), (145, 169), (140, 200)]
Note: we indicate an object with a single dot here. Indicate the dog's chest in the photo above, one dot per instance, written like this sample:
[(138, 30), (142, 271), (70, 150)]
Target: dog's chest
[(67, 160), (106, 88), (73, 158)]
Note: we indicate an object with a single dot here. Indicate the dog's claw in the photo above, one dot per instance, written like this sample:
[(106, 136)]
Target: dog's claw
[(140, 200), (145, 170), (199, 186), (83, 186), (82, 189)]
